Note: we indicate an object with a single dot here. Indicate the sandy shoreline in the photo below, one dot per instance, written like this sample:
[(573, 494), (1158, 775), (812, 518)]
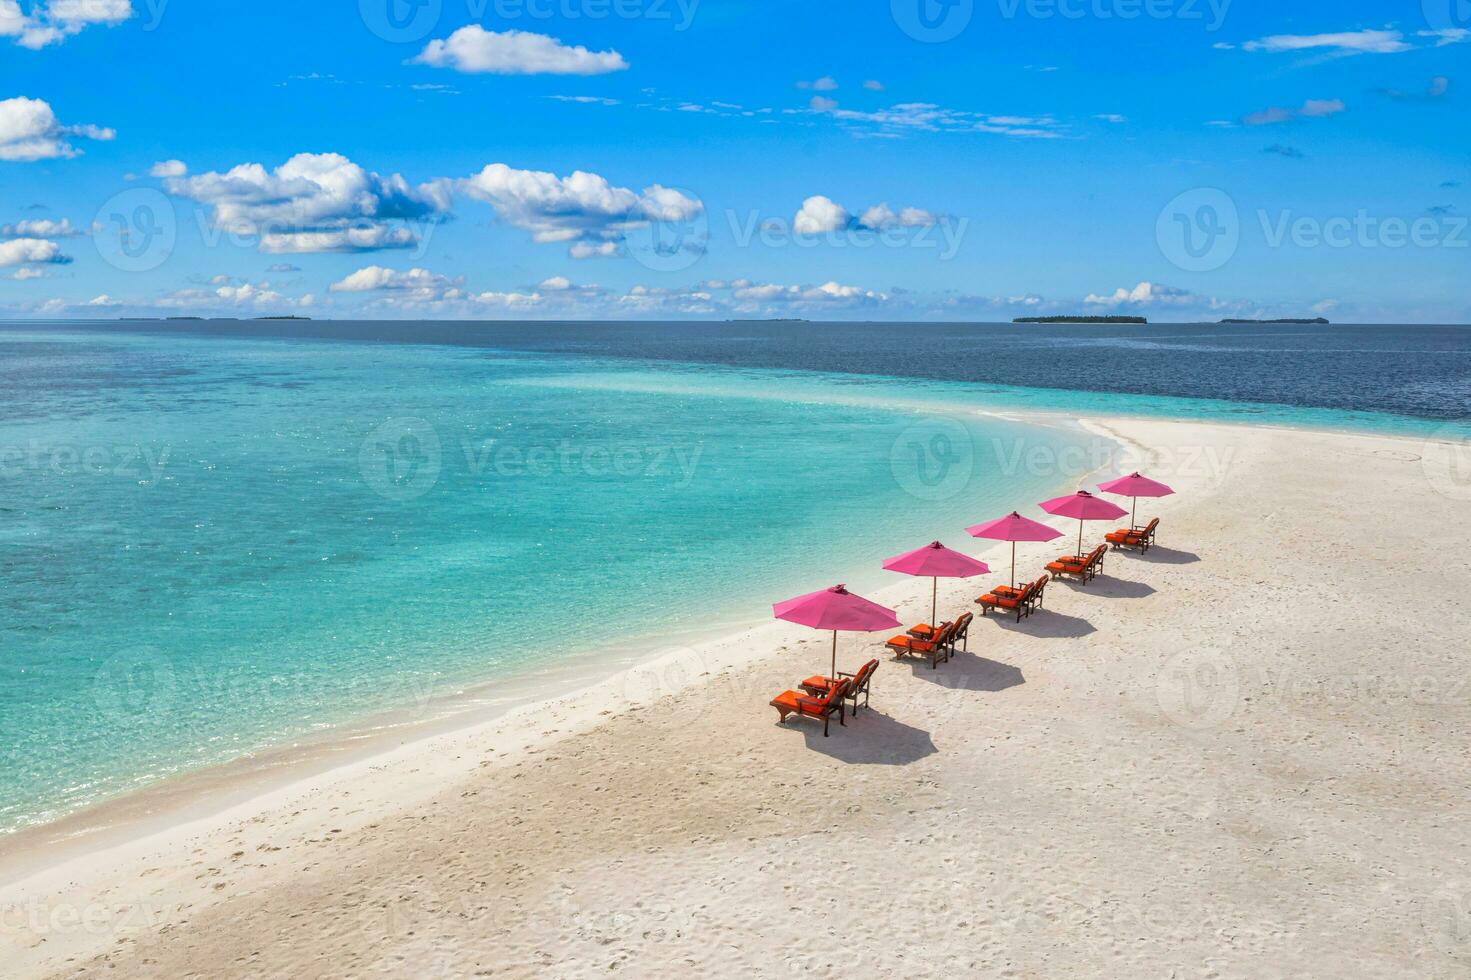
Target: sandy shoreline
[(1218, 759)]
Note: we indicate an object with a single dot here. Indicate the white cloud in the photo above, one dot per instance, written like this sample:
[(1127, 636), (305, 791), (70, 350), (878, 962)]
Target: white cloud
[(908, 117), (30, 251), (315, 202), (283, 267), (584, 99), (593, 250), (507, 300), (824, 84), (474, 50), (556, 284), (1144, 294), (874, 85), (1451, 35), (360, 238), (1346, 42), (826, 294), (103, 300), (881, 217), (1311, 109), (1111, 117), (820, 216), (27, 272), (39, 228), (30, 131), (421, 282), (579, 207), (168, 168), (35, 26)]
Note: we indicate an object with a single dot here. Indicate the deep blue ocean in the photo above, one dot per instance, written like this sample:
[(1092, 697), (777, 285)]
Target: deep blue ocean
[(217, 537)]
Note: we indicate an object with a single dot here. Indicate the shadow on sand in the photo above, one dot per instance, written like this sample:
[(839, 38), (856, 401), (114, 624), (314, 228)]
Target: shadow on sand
[(1112, 588), (1164, 556), (1045, 624), (871, 738), (971, 672)]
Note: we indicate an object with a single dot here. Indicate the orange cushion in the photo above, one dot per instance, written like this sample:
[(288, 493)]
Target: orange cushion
[(821, 682)]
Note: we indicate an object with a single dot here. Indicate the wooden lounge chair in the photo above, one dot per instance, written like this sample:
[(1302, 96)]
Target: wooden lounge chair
[(796, 703), (1023, 603), (1134, 537), (960, 633), (1083, 568), (858, 683), (933, 649)]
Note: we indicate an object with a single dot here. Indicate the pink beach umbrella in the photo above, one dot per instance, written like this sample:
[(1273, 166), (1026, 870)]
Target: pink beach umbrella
[(836, 609), (1014, 527), (1136, 486), (1085, 507), (937, 561)]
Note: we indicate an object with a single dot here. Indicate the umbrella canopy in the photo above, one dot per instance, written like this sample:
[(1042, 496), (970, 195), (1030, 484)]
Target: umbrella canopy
[(1136, 486), (1014, 527), (1085, 507), (836, 609), (937, 561)]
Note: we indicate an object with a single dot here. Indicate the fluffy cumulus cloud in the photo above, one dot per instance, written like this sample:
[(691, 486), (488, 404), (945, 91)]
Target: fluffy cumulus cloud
[(1145, 294), (315, 202), (1311, 109), (229, 294), (168, 168), (829, 293), (579, 208), (29, 130), (39, 228), (30, 251), (414, 285), (474, 50), (594, 250), (35, 24), (820, 215)]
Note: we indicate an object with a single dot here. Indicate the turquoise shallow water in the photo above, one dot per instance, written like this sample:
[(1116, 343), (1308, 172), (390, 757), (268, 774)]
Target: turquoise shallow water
[(209, 546)]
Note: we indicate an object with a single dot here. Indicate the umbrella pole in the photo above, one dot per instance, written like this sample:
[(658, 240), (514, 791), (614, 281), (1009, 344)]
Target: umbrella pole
[(1134, 514), (1080, 537), (934, 597), (834, 674), (1013, 564)]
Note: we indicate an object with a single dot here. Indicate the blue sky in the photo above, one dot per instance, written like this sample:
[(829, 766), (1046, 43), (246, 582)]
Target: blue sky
[(913, 159)]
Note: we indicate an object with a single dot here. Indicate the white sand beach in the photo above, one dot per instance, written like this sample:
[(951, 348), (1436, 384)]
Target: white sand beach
[(1246, 753)]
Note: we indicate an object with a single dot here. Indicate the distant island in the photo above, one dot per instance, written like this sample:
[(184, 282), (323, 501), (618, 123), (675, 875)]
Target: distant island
[(1316, 319), (1080, 319), (283, 318)]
